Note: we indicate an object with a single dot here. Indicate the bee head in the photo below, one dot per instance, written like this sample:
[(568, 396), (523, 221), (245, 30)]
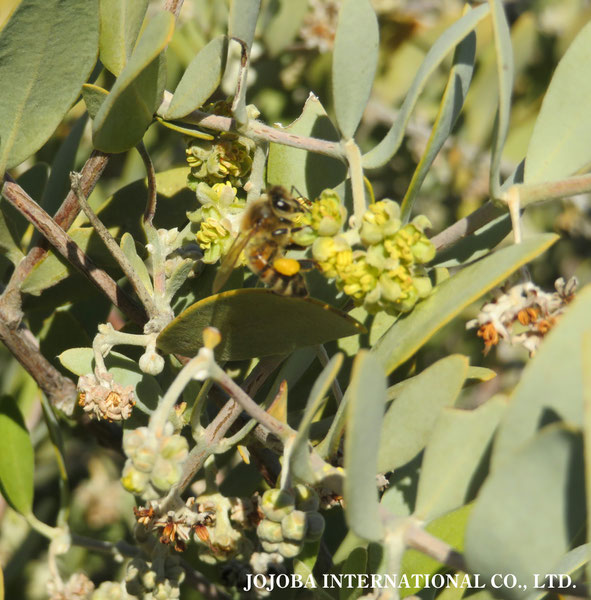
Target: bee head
[(283, 205)]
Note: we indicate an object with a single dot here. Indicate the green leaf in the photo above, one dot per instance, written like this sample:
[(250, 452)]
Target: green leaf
[(93, 96), (185, 129), (121, 21), (409, 333), (316, 399), (9, 242), (354, 62), (129, 108), (129, 249), (355, 564), (381, 154), (367, 398), (200, 80), (283, 27), (242, 23), (308, 173), (558, 146), (243, 20), (458, 444), (505, 74), (255, 322), (529, 510), (410, 420), (476, 245), (58, 184), (304, 563), (480, 373), (45, 65), (451, 104), (125, 371), (449, 528), (16, 458), (551, 384), (568, 564), (54, 268)]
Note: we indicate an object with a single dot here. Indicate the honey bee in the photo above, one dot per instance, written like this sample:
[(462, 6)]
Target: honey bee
[(265, 234)]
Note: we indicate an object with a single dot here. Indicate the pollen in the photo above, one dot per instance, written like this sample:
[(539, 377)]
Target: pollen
[(286, 266)]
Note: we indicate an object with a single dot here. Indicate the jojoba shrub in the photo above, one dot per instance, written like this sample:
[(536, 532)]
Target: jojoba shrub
[(280, 313)]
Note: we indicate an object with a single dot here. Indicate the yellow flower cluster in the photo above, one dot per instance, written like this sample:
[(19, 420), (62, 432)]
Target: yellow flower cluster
[(387, 273)]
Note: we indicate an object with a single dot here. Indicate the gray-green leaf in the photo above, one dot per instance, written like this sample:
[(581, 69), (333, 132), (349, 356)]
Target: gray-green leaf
[(42, 67), (354, 64)]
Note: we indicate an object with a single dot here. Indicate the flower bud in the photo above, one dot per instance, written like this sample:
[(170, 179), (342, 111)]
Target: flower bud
[(306, 498), (276, 504), (315, 526), (293, 526), (269, 531)]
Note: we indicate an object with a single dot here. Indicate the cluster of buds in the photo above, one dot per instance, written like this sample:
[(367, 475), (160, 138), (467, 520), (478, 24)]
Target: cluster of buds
[(382, 265), (224, 538), (218, 219), (111, 590), (175, 527), (525, 304), (78, 587), (144, 580), (227, 158), (154, 463), (235, 573), (102, 398), (291, 519)]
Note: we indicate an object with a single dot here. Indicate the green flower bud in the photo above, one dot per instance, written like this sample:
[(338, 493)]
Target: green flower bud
[(165, 474), (269, 531), (276, 503), (305, 498), (293, 525), (421, 222), (314, 526), (110, 590), (289, 549), (423, 286), (379, 221), (151, 362), (270, 546), (423, 250), (134, 481), (174, 448)]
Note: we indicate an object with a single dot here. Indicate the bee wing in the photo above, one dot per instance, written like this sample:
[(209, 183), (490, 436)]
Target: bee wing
[(230, 260)]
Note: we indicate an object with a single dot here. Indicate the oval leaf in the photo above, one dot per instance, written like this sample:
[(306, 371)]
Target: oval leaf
[(121, 21), (308, 173), (45, 67), (505, 75), (451, 104), (16, 458), (93, 96), (384, 151), (200, 80), (552, 383), (410, 420), (354, 62), (409, 333), (453, 455), (255, 322), (365, 412), (281, 30), (129, 108), (529, 510), (559, 144)]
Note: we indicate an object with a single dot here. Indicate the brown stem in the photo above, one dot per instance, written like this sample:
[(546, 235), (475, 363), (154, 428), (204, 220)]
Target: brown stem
[(60, 240), (464, 227), (60, 390), (150, 209), (64, 217), (259, 132)]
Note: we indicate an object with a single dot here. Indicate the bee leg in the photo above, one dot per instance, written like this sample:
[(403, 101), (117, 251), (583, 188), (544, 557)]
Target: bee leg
[(307, 264)]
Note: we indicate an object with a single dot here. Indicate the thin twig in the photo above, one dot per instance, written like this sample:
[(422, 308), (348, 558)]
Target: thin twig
[(64, 217), (464, 227), (60, 240), (150, 209), (258, 131), (418, 539), (115, 250), (60, 390)]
